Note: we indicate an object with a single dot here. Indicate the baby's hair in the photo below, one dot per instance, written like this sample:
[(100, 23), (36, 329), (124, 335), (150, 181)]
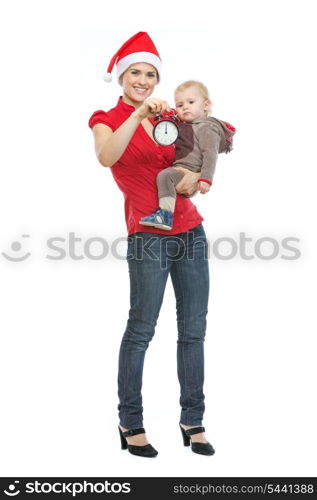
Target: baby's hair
[(194, 83)]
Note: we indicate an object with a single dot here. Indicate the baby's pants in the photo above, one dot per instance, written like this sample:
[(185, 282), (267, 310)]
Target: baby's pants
[(167, 181)]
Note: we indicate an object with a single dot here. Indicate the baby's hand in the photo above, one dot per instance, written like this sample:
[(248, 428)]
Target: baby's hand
[(203, 187)]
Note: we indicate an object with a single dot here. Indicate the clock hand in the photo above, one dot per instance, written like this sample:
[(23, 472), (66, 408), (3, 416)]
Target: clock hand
[(166, 128)]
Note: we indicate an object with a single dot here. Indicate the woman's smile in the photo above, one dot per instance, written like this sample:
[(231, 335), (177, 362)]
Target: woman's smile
[(140, 90)]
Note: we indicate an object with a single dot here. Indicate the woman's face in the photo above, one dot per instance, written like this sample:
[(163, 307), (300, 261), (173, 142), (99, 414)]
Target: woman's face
[(138, 83)]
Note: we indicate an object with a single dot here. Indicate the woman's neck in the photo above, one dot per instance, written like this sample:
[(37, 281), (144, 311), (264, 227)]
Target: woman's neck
[(127, 100)]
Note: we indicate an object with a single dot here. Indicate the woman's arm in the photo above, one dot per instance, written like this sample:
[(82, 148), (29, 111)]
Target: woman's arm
[(189, 183), (109, 145)]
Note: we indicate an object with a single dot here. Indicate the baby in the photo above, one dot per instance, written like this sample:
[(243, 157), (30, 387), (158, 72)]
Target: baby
[(201, 138)]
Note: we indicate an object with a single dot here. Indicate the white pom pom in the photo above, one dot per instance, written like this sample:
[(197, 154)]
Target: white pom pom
[(107, 77)]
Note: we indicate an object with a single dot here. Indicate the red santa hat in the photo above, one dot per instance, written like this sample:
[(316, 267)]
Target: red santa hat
[(139, 48)]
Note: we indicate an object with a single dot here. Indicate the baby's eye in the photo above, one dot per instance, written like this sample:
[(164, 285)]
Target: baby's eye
[(179, 105), (191, 102)]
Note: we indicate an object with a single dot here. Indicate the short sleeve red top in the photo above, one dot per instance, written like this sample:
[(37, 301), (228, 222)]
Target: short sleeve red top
[(135, 174)]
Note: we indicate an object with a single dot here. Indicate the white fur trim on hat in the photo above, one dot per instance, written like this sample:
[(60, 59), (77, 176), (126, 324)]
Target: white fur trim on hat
[(107, 77), (138, 57)]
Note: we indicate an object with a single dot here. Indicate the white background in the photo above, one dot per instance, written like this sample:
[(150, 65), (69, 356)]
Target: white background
[(62, 320)]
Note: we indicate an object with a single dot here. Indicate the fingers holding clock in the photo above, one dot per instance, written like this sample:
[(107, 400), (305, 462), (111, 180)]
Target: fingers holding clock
[(152, 107), (158, 106)]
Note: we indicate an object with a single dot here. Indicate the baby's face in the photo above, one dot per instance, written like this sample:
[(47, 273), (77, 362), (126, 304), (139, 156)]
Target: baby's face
[(190, 104)]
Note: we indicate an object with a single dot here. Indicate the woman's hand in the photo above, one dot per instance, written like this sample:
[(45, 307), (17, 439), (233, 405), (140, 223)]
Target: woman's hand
[(188, 185), (151, 107)]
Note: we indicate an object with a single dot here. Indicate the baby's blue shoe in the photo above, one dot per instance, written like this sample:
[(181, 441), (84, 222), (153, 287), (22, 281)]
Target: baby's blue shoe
[(162, 219)]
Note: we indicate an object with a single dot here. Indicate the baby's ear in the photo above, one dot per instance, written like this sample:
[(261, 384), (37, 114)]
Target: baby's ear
[(208, 105)]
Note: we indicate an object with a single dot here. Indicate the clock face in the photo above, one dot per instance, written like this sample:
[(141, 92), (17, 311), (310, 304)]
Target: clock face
[(165, 132)]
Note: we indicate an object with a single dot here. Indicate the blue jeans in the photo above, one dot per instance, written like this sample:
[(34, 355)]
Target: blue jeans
[(151, 258)]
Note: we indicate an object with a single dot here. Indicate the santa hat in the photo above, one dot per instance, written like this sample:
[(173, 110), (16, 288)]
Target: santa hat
[(139, 48)]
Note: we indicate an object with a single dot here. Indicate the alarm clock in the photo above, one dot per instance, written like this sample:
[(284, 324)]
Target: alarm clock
[(165, 131)]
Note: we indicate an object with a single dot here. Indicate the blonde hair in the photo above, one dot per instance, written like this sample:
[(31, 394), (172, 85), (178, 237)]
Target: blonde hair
[(199, 85)]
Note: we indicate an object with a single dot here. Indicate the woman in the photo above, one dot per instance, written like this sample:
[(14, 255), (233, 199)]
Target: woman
[(124, 142)]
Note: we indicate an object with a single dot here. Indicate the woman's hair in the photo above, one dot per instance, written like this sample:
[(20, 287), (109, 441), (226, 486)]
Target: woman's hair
[(194, 83)]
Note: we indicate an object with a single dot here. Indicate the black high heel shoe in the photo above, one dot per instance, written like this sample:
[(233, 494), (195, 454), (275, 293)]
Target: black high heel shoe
[(140, 451), (201, 448)]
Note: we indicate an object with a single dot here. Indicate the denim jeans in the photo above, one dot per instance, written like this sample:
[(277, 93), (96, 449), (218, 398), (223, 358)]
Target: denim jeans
[(151, 258)]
